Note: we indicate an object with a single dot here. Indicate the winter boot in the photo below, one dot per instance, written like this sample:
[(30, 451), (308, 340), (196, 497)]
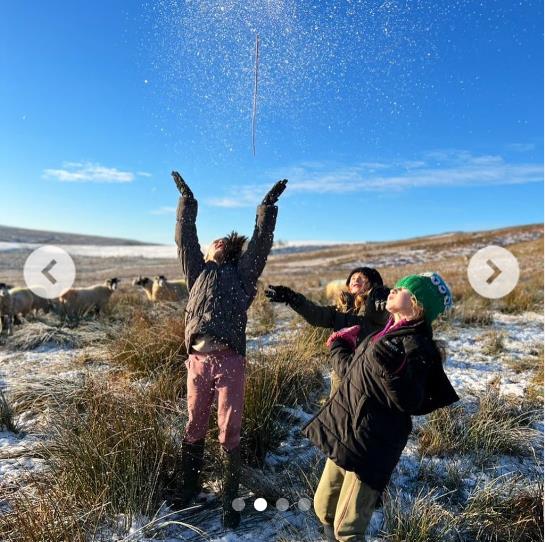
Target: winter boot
[(231, 479), (192, 461)]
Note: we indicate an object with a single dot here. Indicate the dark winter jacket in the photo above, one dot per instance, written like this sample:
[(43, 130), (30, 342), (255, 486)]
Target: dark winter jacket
[(371, 317), (364, 427), (220, 295)]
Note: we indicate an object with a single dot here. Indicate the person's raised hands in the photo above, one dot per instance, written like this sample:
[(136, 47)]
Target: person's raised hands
[(185, 191), (275, 192)]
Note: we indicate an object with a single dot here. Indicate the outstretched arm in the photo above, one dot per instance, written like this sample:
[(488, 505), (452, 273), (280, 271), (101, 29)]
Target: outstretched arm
[(253, 260), (189, 250), (314, 314)]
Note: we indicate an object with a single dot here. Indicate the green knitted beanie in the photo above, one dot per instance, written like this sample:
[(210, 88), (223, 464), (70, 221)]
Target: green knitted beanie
[(431, 291)]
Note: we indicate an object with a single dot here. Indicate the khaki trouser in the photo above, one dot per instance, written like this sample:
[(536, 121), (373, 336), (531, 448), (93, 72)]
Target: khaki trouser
[(344, 502)]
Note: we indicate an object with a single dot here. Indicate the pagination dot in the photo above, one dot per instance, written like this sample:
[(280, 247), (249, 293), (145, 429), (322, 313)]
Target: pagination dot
[(304, 504), (282, 504), (260, 504), (238, 504)]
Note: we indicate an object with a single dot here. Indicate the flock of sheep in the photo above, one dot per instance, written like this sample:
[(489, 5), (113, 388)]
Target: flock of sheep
[(74, 303)]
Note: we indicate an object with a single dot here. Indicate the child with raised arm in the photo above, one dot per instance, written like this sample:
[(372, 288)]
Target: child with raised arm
[(222, 286), (392, 375)]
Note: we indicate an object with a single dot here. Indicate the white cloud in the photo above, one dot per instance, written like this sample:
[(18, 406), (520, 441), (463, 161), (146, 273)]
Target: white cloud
[(82, 172), (440, 168), (144, 174)]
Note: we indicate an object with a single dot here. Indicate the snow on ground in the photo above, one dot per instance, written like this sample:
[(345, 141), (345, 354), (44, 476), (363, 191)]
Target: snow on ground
[(158, 251), (468, 365)]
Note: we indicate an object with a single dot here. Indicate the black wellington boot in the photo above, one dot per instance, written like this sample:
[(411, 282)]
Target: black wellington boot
[(231, 480), (192, 461)]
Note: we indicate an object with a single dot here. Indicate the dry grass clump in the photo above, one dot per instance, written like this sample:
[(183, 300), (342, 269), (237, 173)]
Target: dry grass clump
[(7, 415), (124, 303), (498, 425), (112, 451), (493, 342), (51, 394), (41, 511), (445, 477), (504, 511), (261, 314), (149, 341), (418, 519), (286, 377), (472, 310), (34, 334), (115, 447), (527, 295)]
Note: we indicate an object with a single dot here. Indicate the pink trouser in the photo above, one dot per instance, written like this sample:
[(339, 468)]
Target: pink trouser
[(214, 375)]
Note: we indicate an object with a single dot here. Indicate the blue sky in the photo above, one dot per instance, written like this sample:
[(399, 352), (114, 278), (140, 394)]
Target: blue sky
[(390, 119)]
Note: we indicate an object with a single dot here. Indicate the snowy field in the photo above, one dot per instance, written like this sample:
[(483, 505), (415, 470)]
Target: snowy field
[(470, 369)]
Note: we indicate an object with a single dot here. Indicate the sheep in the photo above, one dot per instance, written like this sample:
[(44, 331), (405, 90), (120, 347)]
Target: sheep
[(333, 288), (78, 301), (6, 312), (27, 301), (22, 300), (168, 290), (147, 285)]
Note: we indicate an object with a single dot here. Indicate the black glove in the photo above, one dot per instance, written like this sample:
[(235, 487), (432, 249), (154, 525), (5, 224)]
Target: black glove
[(185, 191), (274, 193), (376, 301), (280, 294)]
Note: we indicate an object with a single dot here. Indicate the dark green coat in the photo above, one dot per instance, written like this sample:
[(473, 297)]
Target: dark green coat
[(365, 426), (220, 295)]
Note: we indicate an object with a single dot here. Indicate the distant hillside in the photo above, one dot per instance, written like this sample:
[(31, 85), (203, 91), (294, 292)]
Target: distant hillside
[(9, 234)]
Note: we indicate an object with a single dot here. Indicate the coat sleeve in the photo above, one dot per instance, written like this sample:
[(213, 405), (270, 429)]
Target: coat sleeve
[(314, 314), (404, 375), (253, 260), (341, 356), (187, 242)]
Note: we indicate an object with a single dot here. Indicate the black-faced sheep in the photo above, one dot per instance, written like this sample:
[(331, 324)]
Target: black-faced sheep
[(76, 302), (146, 284)]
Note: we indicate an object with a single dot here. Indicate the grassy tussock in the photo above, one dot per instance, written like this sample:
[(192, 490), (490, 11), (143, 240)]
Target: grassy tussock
[(111, 451), (149, 342), (7, 415), (286, 377), (421, 519), (471, 310), (493, 342), (448, 478), (114, 447), (261, 314), (504, 510), (498, 425), (43, 512)]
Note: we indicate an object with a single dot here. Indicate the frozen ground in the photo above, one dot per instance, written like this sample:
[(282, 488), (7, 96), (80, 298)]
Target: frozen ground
[(468, 366)]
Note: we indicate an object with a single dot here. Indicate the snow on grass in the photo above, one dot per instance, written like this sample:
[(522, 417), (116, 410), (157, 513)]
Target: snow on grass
[(469, 367)]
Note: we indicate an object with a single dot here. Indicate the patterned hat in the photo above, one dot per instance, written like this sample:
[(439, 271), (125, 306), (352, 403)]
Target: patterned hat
[(431, 291)]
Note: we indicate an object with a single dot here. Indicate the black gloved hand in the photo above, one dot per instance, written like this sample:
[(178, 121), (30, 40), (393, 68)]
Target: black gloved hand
[(185, 191), (377, 299), (280, 294), (274, 193)]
